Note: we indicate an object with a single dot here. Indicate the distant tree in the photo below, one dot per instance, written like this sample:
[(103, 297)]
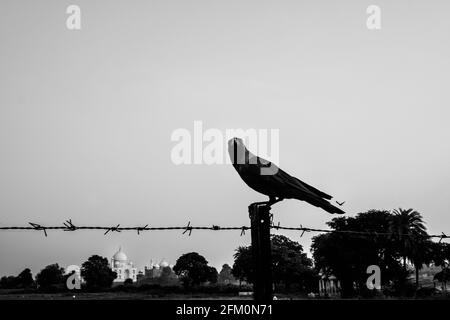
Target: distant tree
[(51, 276), (193, 269), (421, 254), (408, 230), (243, 264), (25, 279), (167, 276), (8, 282), (166, 272), (212, 275), (225, 275), (289, 264), (347, 255), (443, 276), (97, 273), (128, 282), (440, 252), (335, 255)]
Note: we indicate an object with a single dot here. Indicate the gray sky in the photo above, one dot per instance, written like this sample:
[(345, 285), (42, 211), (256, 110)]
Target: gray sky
[(86, 117)]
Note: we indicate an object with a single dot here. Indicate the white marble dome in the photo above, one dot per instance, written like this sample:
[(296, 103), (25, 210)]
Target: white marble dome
[(120, 256), (163, 264)]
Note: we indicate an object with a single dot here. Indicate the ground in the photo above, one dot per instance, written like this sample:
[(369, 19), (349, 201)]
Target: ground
[(127, 296)]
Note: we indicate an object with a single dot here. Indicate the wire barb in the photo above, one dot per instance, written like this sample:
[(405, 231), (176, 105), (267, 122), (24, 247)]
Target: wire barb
[(188, 228), (69, 225), (37, 226), (112, 229), (139, 229), (303, 230)]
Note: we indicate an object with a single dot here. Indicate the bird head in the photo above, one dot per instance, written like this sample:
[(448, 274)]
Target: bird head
[(237, 151)]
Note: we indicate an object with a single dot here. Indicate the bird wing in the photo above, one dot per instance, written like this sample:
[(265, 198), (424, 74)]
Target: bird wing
[(288, 186), (288, 180), (285, 178), (314, 190)]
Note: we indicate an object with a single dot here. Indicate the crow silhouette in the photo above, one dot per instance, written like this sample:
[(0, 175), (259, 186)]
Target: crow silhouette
[(340, 203), (266, 178)]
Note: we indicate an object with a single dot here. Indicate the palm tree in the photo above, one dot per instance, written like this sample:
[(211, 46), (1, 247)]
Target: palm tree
[(409, 231), (421, 253)]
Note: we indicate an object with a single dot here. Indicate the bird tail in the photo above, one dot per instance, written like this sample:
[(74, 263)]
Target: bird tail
[(332, 209), (316, 191), (324, 204)]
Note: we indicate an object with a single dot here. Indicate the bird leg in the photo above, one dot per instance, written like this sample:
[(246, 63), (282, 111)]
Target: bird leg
[(273, 200)]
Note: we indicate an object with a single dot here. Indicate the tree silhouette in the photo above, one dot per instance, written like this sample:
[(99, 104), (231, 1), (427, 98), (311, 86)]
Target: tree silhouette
[(212, 274), (25, 279), (8, 282), (289, 264), (193, 269), (167, 276), (51, 276), (347, 255), (243, 264), (97, 273), (421, 254), (225, 275), (443, 276), (441, 257), (409, 232)]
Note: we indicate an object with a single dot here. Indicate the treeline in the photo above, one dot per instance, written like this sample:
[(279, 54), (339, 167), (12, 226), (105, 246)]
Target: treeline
[(95, 271), (190, 271), (397, 241)]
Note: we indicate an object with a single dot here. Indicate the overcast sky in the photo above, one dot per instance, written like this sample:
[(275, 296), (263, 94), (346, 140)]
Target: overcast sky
[(86, 118)]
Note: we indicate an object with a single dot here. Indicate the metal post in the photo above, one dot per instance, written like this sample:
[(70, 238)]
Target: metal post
[(261, 251)]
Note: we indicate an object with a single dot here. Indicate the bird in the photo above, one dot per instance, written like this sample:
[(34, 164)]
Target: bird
[(265, 177), (340, 203)]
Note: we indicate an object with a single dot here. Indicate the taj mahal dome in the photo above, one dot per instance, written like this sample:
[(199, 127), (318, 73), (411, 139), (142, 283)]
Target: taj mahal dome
[(125, 269)]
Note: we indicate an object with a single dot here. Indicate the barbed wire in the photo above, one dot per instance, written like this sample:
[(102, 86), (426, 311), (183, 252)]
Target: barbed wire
[(69, 226)]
